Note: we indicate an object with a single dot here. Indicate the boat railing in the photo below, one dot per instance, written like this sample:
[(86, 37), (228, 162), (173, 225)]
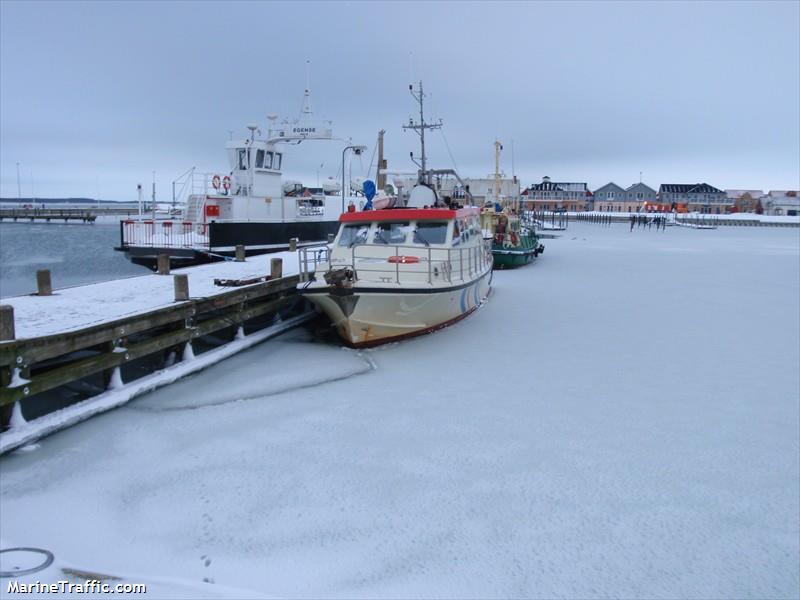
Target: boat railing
[(310, 257), (164, 234), (402, 264)]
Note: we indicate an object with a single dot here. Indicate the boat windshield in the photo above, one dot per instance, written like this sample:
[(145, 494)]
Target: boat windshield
[(353, 234), (390, 233), (430, 232)]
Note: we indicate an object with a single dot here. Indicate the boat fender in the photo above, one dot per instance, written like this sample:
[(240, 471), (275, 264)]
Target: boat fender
[(215, 181)]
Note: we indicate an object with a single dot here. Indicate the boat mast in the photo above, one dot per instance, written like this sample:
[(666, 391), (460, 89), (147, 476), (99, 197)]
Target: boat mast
[(497, 148), (424, 176), (380, 180)]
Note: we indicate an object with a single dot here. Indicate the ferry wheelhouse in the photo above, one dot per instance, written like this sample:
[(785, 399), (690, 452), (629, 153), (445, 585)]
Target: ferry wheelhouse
[(396, 273)]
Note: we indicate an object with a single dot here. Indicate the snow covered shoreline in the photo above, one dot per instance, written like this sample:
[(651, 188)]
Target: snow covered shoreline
[(620, 419)]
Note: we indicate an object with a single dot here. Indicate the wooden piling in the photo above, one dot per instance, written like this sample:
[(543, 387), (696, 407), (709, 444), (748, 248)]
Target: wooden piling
[(44, 284), (163, 264), (240, 253), (6, 323), (276, 268), (6, 334), (181, 283)]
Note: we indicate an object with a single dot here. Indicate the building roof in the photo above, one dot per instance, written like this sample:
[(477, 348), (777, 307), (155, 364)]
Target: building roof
[(689, 188), (610, 184), (640, 185)]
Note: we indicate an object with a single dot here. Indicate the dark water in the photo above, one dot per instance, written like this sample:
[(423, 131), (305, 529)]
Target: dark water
[(76, 254)]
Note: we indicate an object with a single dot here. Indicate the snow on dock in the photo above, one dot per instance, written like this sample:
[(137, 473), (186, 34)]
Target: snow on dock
[(619, 420), (78, 307)]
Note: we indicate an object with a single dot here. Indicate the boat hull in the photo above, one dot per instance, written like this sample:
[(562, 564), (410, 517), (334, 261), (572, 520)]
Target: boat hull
[(222, 239), (370, 316), (511, 257)]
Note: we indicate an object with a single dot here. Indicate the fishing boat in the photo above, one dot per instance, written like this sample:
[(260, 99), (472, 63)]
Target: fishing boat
[(250, 204), (513, 244), (399, 272)]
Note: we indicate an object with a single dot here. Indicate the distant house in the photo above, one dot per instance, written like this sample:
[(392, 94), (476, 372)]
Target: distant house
[(641, 193), (745, 201), (610, 198), (551, 195), (482, 190), (698, 197), (782, 202)]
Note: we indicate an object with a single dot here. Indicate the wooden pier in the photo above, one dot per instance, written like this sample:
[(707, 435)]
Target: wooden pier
[(40, 374), (48, 214)]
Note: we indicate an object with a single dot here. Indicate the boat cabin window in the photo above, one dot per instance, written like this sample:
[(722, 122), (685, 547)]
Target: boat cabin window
[(430, 232), (244, 159), (268, 160), (276, 164), (390, 233), (354, 234), (259, 159)]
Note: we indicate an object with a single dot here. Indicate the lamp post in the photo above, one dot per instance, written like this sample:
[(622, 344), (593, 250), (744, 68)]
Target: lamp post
[(358, 150)]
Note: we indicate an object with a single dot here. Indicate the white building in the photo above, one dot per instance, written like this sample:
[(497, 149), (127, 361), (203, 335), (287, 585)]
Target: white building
[(782, 202)]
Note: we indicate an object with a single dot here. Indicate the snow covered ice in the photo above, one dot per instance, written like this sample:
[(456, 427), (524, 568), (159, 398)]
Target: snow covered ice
[(620, 419)]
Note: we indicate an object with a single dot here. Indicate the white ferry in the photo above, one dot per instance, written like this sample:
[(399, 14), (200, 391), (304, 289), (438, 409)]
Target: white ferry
[(400, 272), (249, 205)]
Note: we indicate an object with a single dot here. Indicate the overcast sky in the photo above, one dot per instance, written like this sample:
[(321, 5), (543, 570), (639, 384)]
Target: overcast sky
[(95, 96)]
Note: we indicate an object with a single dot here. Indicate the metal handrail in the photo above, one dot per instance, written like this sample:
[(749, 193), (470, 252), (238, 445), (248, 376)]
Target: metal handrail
[(439, 262)]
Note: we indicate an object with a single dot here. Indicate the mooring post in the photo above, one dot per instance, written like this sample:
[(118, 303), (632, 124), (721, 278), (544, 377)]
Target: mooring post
[(163, 264), (276, 268), (330, 237), (240, 253), (44, 285), (6, 323), (181, 283), (6, 334)]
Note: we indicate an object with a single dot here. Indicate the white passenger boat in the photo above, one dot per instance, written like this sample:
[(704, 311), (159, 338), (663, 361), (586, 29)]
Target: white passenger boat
[(248, 204), (400, 272)]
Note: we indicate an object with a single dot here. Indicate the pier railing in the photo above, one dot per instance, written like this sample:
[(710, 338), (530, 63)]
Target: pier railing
[(164, 234), (48, 214)]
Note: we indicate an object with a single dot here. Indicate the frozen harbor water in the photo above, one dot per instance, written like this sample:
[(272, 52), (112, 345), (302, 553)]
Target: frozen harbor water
[(620, 419)]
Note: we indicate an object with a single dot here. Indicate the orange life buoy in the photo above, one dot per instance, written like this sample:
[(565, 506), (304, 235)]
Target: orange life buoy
[(215, 182), (226, 183), (403, 259)]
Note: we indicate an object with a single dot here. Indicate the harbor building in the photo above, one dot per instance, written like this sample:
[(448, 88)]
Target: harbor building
[(696, 197), (782, 202), (745, 201), (554, 195), (641, 194), (482, 189)]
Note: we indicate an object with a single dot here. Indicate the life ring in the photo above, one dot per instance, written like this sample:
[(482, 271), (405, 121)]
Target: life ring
[(215, 182), (226, 183), (403, 260)]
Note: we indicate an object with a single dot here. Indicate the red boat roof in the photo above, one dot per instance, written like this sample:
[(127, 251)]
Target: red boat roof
[(408, 214)]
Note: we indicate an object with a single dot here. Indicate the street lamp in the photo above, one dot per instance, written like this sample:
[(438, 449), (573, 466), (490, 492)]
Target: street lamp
[(358, 150)]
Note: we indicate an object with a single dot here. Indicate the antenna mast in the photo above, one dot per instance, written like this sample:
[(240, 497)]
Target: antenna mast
[(420, 128), (497, 148)]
